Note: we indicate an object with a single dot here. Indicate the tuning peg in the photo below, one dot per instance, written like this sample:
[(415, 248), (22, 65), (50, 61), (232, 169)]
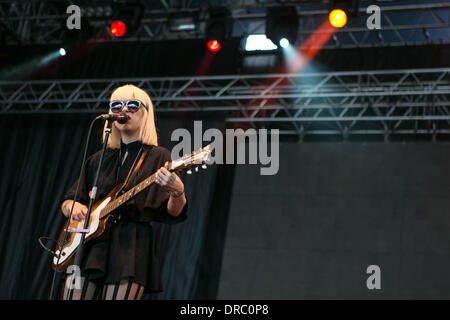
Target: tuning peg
[(204, 166), (196, 169), (189, 171)]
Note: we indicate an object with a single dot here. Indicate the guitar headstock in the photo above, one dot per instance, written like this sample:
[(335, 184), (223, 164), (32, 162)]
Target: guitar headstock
[(195, 159)]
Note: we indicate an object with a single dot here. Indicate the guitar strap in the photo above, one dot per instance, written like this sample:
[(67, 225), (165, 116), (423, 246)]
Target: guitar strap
[(136, 168)]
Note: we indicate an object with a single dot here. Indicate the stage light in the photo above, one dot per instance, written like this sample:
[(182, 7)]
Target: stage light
[(260, 42), (62, 51), (218, 28), (118, 28), (337, 18), (282, 22), (130, 14), (284, 43), (182, 22), (213, 45), (341, 11)]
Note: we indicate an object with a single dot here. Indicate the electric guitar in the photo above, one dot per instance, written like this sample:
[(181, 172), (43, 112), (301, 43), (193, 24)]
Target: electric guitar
[(102, 213)]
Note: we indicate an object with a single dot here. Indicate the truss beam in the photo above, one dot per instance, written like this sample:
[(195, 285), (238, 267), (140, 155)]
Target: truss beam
[(43, 22), (360, 102)]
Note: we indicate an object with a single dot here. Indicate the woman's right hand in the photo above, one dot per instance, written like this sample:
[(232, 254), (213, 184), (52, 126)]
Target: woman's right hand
[(79, 210)]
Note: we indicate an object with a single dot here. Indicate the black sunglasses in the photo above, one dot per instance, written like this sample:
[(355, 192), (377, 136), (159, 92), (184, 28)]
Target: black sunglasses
[(116, 106)]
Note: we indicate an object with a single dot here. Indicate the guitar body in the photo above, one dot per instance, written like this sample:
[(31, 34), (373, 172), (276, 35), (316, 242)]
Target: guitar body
[(98, 229)]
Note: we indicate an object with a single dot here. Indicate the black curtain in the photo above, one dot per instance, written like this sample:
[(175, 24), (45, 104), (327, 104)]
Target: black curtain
[(41, 158), (183, 58)]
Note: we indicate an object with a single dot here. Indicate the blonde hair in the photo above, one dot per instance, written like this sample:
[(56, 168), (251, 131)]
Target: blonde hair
[(148, 128)]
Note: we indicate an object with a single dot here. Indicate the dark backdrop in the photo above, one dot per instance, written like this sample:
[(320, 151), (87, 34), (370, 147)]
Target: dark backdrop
[(333, 209)]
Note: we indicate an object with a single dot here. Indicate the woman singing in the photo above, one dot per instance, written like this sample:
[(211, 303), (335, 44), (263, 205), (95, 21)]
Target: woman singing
[(125, 265)]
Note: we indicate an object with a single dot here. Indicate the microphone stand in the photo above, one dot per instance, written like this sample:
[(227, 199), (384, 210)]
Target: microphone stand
[(79, 254)]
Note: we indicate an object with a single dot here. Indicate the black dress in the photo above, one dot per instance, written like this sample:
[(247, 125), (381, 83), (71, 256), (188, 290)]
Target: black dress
[(129, 253)]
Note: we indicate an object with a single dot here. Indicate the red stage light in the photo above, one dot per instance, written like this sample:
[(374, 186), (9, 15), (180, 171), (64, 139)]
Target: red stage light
[(213, 45), (118, 28)]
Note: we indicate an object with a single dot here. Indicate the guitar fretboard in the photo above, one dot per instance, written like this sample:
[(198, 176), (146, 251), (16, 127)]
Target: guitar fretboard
[(113, 205)]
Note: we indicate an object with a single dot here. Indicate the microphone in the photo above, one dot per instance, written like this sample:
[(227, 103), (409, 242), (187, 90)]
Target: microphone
[(121, 118)]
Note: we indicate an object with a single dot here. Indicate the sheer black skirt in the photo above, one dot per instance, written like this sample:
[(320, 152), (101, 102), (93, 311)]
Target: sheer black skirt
[(128, 254)]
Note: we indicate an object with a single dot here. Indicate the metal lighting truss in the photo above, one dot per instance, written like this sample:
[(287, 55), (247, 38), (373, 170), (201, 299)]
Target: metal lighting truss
[(43, 22), (338, 103)]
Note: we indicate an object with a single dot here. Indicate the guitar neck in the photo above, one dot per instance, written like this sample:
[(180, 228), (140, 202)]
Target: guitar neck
[(113, 205), (198, 157)]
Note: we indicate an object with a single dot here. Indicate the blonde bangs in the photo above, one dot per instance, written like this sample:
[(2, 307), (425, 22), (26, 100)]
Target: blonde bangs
[(148, 129)]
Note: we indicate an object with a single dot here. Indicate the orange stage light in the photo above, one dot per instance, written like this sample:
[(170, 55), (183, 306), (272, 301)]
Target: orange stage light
[(337, 18)]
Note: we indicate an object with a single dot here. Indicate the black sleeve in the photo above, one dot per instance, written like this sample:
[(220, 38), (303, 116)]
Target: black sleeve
[(158, 197)]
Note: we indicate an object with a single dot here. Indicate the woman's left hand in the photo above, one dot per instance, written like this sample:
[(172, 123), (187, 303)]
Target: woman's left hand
[(169, 180)]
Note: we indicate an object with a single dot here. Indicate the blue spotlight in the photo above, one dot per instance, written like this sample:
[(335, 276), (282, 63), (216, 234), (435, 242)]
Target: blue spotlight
[(62, 52), (284, 42)]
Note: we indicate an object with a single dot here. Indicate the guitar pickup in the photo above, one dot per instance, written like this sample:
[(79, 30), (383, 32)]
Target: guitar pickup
[(76, 230)]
